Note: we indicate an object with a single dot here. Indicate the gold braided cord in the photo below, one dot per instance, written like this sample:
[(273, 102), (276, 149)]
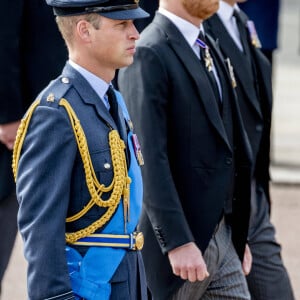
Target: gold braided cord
[(119, 186), (21, 133)]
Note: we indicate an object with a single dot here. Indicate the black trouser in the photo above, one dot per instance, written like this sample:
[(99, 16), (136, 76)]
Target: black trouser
[(8, 231)]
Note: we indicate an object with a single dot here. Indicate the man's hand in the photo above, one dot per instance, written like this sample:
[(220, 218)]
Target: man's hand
[(247, 261), (187, 262), (8, 134)]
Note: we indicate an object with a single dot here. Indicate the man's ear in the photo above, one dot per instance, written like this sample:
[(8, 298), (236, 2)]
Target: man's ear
[(83, 28)]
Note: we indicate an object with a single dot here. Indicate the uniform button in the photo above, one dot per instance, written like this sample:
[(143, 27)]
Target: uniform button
[(107, 166), (259, 128), (65, 80), (229, 161)]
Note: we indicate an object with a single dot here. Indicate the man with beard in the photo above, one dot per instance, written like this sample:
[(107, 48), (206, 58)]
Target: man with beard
[(196, 185), (268, 278), (80, 206)]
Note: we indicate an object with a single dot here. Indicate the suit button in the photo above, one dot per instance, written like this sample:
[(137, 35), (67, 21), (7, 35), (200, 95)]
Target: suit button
[(228, 161), (259, 128), (162, 242)]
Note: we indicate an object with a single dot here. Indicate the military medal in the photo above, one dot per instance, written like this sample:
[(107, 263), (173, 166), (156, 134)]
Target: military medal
[(137, 150), (207, 57), (253, 34), (231, 72)]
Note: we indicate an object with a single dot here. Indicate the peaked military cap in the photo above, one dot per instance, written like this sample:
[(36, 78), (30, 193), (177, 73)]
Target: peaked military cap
[(113, 9)]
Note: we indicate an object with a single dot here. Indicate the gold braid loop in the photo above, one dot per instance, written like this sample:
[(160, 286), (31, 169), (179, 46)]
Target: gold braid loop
[(119, 187)]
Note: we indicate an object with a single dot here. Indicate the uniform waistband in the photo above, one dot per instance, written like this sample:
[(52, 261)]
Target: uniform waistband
[(133, 241)]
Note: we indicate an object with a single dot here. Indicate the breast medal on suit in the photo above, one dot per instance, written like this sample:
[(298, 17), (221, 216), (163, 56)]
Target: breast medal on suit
[(265, 14), (188, 149), (254, 90), (86, 164)]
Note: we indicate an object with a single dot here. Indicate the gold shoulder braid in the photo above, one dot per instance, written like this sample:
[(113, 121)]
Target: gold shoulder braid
[(119, 187), (21, 133)]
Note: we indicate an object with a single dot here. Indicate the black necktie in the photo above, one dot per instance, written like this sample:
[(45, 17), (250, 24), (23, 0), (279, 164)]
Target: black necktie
[(119, 119), (242, 30), (114, 108), (204, 53)]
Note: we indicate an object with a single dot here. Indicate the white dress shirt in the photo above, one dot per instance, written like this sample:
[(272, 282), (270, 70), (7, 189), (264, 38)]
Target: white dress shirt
[(190, 32)]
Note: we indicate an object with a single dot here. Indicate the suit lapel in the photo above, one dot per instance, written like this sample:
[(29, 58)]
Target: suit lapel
[(192, 65), (215, 26)]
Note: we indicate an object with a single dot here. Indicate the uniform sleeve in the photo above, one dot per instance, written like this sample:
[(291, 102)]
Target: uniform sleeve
[(43, 191), (149, 102)]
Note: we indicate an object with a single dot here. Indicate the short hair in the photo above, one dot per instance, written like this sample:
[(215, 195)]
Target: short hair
[(66, 24)]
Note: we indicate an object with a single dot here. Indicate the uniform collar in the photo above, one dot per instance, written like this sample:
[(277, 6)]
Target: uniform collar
[(99, 85)]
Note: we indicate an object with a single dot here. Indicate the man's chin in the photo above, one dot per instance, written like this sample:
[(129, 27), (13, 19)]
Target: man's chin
[(126, 62)]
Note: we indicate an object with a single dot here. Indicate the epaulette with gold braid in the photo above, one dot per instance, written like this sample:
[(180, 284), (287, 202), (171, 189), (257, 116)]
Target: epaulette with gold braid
[(119, 187)]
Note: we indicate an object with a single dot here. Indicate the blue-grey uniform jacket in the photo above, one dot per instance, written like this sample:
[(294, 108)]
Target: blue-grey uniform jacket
[(51, 185)]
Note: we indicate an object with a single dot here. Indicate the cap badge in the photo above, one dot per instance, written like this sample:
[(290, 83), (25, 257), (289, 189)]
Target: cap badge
[(50, 98)]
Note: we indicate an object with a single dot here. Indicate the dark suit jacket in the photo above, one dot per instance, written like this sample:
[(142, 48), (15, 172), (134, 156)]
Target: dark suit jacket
[(188, 157), (31, 53), (254, 94)]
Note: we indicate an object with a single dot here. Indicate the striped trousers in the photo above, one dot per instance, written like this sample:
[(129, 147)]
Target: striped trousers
[(226, 280)]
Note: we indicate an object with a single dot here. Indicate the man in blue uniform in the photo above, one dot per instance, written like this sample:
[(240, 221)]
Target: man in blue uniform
[(76, 162)]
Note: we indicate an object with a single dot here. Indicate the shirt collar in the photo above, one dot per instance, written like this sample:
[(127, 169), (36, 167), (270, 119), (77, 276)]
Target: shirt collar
[(99, 85), (225, 11), (187, 29)]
